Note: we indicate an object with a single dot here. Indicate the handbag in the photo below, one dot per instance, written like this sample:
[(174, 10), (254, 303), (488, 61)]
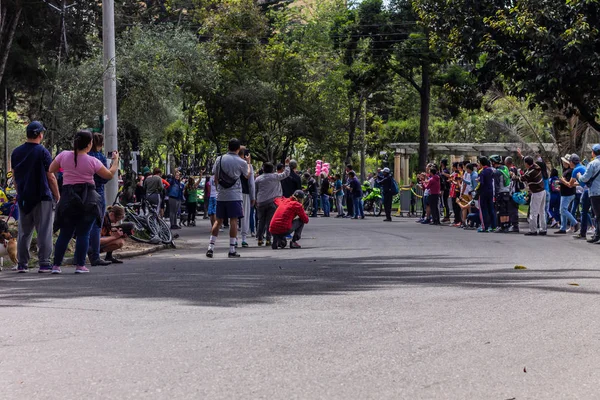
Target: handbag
[(223, 179)]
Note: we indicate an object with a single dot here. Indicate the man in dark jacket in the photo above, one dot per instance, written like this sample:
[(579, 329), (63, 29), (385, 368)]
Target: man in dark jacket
[(385, 183), (535, 183), (486, 196), (349, 197), (293, 182), (36, 190), (312, 188)]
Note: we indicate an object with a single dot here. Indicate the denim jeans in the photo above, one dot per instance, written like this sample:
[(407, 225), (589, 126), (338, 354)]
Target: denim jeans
[(586, 219), (253, 220), (358, 207), (325, 205), (575, 205), (555, 206), (565, 214), (340, 204), (81, 229), (315, 204), (95, 234)]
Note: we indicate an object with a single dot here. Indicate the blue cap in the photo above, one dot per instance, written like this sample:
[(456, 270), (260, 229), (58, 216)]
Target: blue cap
[(596, 149), (35, 128)]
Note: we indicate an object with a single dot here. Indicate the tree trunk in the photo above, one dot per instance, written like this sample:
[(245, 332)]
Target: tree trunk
[(353, 117), (9, 39), (424, 122)]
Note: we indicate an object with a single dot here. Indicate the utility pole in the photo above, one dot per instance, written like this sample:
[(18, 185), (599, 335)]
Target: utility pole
[(110, 91), (5, 131), (363, 145)]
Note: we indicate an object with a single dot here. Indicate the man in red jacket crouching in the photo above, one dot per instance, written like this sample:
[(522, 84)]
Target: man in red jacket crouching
[(284, 221)]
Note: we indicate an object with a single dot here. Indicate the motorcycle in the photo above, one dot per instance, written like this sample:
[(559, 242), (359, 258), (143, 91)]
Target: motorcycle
[(373, 201)]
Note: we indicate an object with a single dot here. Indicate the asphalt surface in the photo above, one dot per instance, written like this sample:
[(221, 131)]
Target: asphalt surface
[(366, 310)]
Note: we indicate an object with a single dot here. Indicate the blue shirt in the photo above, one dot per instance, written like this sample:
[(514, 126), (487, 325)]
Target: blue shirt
[(356, 188), (579, 169), (593, 169), (175, 191), (30, 163), (100, 182), (338, 188)]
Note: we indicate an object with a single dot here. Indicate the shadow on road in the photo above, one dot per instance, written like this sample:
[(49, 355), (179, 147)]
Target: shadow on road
[(228, 284)]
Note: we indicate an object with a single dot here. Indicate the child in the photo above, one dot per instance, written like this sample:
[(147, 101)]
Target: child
[(191, 200)]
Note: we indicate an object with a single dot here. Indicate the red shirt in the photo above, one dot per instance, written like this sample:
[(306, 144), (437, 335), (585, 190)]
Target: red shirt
[(433, 184), (287, 210)]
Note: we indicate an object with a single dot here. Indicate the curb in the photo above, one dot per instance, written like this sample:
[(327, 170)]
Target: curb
[(129, 254)]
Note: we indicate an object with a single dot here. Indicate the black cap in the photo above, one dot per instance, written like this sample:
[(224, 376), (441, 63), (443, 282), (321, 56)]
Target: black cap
[(299, 194)]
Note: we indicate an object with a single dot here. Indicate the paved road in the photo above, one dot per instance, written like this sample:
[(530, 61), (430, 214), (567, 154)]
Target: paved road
[(366, 310)]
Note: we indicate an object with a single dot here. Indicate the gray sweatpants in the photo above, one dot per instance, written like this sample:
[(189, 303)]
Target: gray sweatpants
[(174, 206), (41, 218)]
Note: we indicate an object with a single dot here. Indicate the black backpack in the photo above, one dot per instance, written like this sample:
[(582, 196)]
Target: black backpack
[(223, 179)]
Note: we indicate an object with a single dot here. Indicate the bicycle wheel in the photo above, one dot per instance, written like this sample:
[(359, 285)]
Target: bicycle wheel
[(377, 208), (163, 231), (143, 231)]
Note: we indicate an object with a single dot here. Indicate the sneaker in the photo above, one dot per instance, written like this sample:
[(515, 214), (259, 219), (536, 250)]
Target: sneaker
[(81, 270), (56, 270), (543, 233), (275, 244), (244, 244), (387, 220), (233, 255), (289, 237), (282, 244), (594, 239), (554, 224), (457, 225), (578, 236), (295, 245), (560, 232), (481, 230), (209, 253), (446, 220), (531, 234), (99, 262), (499, 230), (22, 269), (513, 229), (260, 243), (577, 227), (268, 243), (45, 269)]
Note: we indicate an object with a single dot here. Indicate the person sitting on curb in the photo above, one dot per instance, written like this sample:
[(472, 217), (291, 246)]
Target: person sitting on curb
[(289, 218), (112, 238)]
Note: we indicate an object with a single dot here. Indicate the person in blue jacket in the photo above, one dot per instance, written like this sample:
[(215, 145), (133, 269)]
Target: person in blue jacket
[(175, 194)]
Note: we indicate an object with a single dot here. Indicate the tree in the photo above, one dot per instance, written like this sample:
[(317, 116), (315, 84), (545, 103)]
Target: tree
[(543, 49)]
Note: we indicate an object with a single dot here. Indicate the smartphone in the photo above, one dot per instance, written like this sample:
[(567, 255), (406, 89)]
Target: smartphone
[(109, 155), (246, 153)]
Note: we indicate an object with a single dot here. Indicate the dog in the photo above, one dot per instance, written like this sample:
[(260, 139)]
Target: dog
[(8, 246)]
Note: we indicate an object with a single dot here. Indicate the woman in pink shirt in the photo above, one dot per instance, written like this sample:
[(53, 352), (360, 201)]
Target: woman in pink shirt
[(79, 205)]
